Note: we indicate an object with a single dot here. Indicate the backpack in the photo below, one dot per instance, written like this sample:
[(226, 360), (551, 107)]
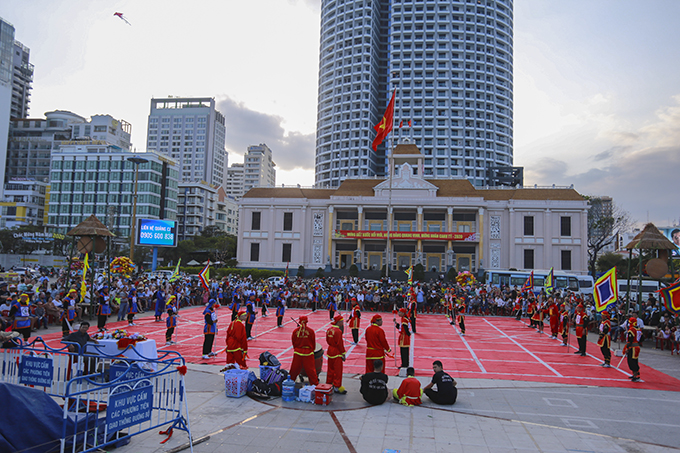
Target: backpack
[(263, 389), (269, 359)]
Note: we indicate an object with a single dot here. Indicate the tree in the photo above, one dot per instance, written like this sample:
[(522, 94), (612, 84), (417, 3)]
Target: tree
[(605, 222), (353, 271), (301, 271), (452, 274), (609, 260), (418, 272)]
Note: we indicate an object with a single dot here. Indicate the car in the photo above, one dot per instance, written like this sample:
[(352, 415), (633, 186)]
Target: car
[(32, 273), (275, 281)]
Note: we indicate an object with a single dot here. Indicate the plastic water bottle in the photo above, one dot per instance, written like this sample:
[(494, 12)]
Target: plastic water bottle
[(288, 390)]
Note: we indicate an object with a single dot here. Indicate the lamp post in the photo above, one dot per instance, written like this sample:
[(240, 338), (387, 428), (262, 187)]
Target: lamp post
[(136, 161)]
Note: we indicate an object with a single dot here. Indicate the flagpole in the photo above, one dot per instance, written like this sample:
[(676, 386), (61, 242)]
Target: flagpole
[(390, 172)]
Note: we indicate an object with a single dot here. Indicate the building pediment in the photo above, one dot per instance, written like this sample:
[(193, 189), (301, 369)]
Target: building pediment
[(406, 184)]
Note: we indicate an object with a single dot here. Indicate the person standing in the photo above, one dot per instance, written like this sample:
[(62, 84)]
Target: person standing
[(335, 354), (374, 385), (304, 342), (564, 325), (171, 320), (332, 306), (604, 339), (355, 321), (160, 304), (409, 392), (209, 329), (632, 349), (280, 313), (235, 305), (104, 310), (69, 313), (446, 392), (376, 343), (554, 318), (133, 308), (404, 340), (460, 317), (237, 341), (412, 310), (581, 323), (250, 320)]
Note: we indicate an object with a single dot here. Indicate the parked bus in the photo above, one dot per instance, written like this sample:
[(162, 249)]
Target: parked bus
[(563, 281), (648, 288), (586, 284)]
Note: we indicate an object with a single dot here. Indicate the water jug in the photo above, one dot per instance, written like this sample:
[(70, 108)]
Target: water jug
[(288, 390)]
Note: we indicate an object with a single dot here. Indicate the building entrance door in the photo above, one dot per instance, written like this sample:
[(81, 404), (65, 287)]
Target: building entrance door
[(464, 262), (375, 261), (403, 261), (346, 259), (433, 263)]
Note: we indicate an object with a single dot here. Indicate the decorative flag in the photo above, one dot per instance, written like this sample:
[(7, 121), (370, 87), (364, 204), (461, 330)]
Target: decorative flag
[(385, 125), (83, 285), (204, 276), (671, 297), (549, 284), (401, 124), (409, 123), (529, 284), (285, 276), (409, 272), (175, 273), (605, 291)]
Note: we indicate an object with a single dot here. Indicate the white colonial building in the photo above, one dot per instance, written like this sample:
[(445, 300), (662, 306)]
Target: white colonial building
[(441, 223)]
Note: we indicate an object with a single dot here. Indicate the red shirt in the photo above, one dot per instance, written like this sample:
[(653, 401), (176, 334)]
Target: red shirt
[(336, 347), (304, 340), (404, 339), (410, 391), (354, 319), (236, 337), (376, 343)]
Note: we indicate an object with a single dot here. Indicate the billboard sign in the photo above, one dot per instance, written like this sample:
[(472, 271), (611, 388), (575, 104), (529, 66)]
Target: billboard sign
[(156, 233)]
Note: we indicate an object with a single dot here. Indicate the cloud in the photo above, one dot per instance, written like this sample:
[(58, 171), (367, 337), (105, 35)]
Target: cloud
[(245, 127)]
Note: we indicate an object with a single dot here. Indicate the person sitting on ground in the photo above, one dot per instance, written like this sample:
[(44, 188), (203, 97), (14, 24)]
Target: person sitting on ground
[(409, 391), (374, 385), (446, 392)]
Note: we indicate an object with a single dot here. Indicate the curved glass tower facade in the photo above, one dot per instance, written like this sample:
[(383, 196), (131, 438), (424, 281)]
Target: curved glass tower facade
[(451, 65)]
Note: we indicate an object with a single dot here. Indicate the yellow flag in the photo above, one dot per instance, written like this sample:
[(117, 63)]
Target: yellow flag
[(83, 285)]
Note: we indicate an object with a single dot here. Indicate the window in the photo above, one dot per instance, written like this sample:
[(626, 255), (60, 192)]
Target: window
[(528, 258), (287, 221), (255, 225), (565, 226), (286, 253), (528, 225), (566, 260), (255, 251)]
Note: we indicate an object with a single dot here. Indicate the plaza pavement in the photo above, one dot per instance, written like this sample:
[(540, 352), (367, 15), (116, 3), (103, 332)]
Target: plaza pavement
[(489, 416)]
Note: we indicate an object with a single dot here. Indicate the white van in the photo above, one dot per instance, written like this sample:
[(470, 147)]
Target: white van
[(275, 281), (586, 284), (648, 288)]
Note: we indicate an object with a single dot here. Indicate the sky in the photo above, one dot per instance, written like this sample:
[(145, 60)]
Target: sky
[(596, 93)]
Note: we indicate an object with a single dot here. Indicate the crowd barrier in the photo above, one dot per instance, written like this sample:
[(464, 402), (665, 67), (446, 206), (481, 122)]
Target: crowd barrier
[(107, 399)]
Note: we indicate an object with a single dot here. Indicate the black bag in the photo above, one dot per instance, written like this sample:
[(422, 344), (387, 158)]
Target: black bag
[(260, 388), (269, 359)]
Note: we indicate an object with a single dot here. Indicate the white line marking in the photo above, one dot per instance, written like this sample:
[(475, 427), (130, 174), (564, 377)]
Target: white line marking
[(472, 353), (525, 349)]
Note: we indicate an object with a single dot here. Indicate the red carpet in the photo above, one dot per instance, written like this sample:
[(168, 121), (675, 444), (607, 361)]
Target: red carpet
[(493, 348)]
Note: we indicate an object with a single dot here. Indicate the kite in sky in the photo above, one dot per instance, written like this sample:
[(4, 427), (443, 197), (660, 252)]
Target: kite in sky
[(120, 15)]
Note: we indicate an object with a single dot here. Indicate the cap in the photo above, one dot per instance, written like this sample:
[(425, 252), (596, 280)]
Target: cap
[(303, 319), (338, 318), (375, 318)]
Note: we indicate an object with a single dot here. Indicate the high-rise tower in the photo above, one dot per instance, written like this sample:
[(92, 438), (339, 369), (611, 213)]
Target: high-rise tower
[(451, 64), (191, 131)]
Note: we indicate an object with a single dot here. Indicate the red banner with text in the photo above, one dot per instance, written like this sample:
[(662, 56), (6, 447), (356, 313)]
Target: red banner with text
[(424, 235)]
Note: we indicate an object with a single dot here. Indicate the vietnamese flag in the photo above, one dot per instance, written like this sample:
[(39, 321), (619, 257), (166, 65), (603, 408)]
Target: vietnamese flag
[(384, 127)]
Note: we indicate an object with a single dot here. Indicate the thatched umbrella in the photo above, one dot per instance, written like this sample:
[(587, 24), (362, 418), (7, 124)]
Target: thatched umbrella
[(95, 230), (650, 238)]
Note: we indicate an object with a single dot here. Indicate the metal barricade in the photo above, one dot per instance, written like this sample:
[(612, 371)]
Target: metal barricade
[(107, 399)]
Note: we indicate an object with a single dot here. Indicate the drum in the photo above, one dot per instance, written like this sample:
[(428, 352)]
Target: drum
[(318, 360)]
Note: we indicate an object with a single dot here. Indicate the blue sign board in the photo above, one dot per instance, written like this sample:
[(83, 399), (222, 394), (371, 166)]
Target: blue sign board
[(38, 371), (129, 408), (115, 371), (156, 233)]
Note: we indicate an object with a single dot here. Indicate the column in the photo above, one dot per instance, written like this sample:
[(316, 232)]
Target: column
[(480, 237), (419, 227), (548, 249), (449, 229), (331, 232), (271, 237), (360, 223), (511, 242), (302, 243)]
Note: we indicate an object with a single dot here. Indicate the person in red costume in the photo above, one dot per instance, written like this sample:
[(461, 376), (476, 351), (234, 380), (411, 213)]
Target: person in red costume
[(304, 342), (409, 391), (404, 340), (237, 341), (376, 343), (581, 323), (355, 321), (460, 317), (632, 349), (554, 316), (604, 340), (335, 354)]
